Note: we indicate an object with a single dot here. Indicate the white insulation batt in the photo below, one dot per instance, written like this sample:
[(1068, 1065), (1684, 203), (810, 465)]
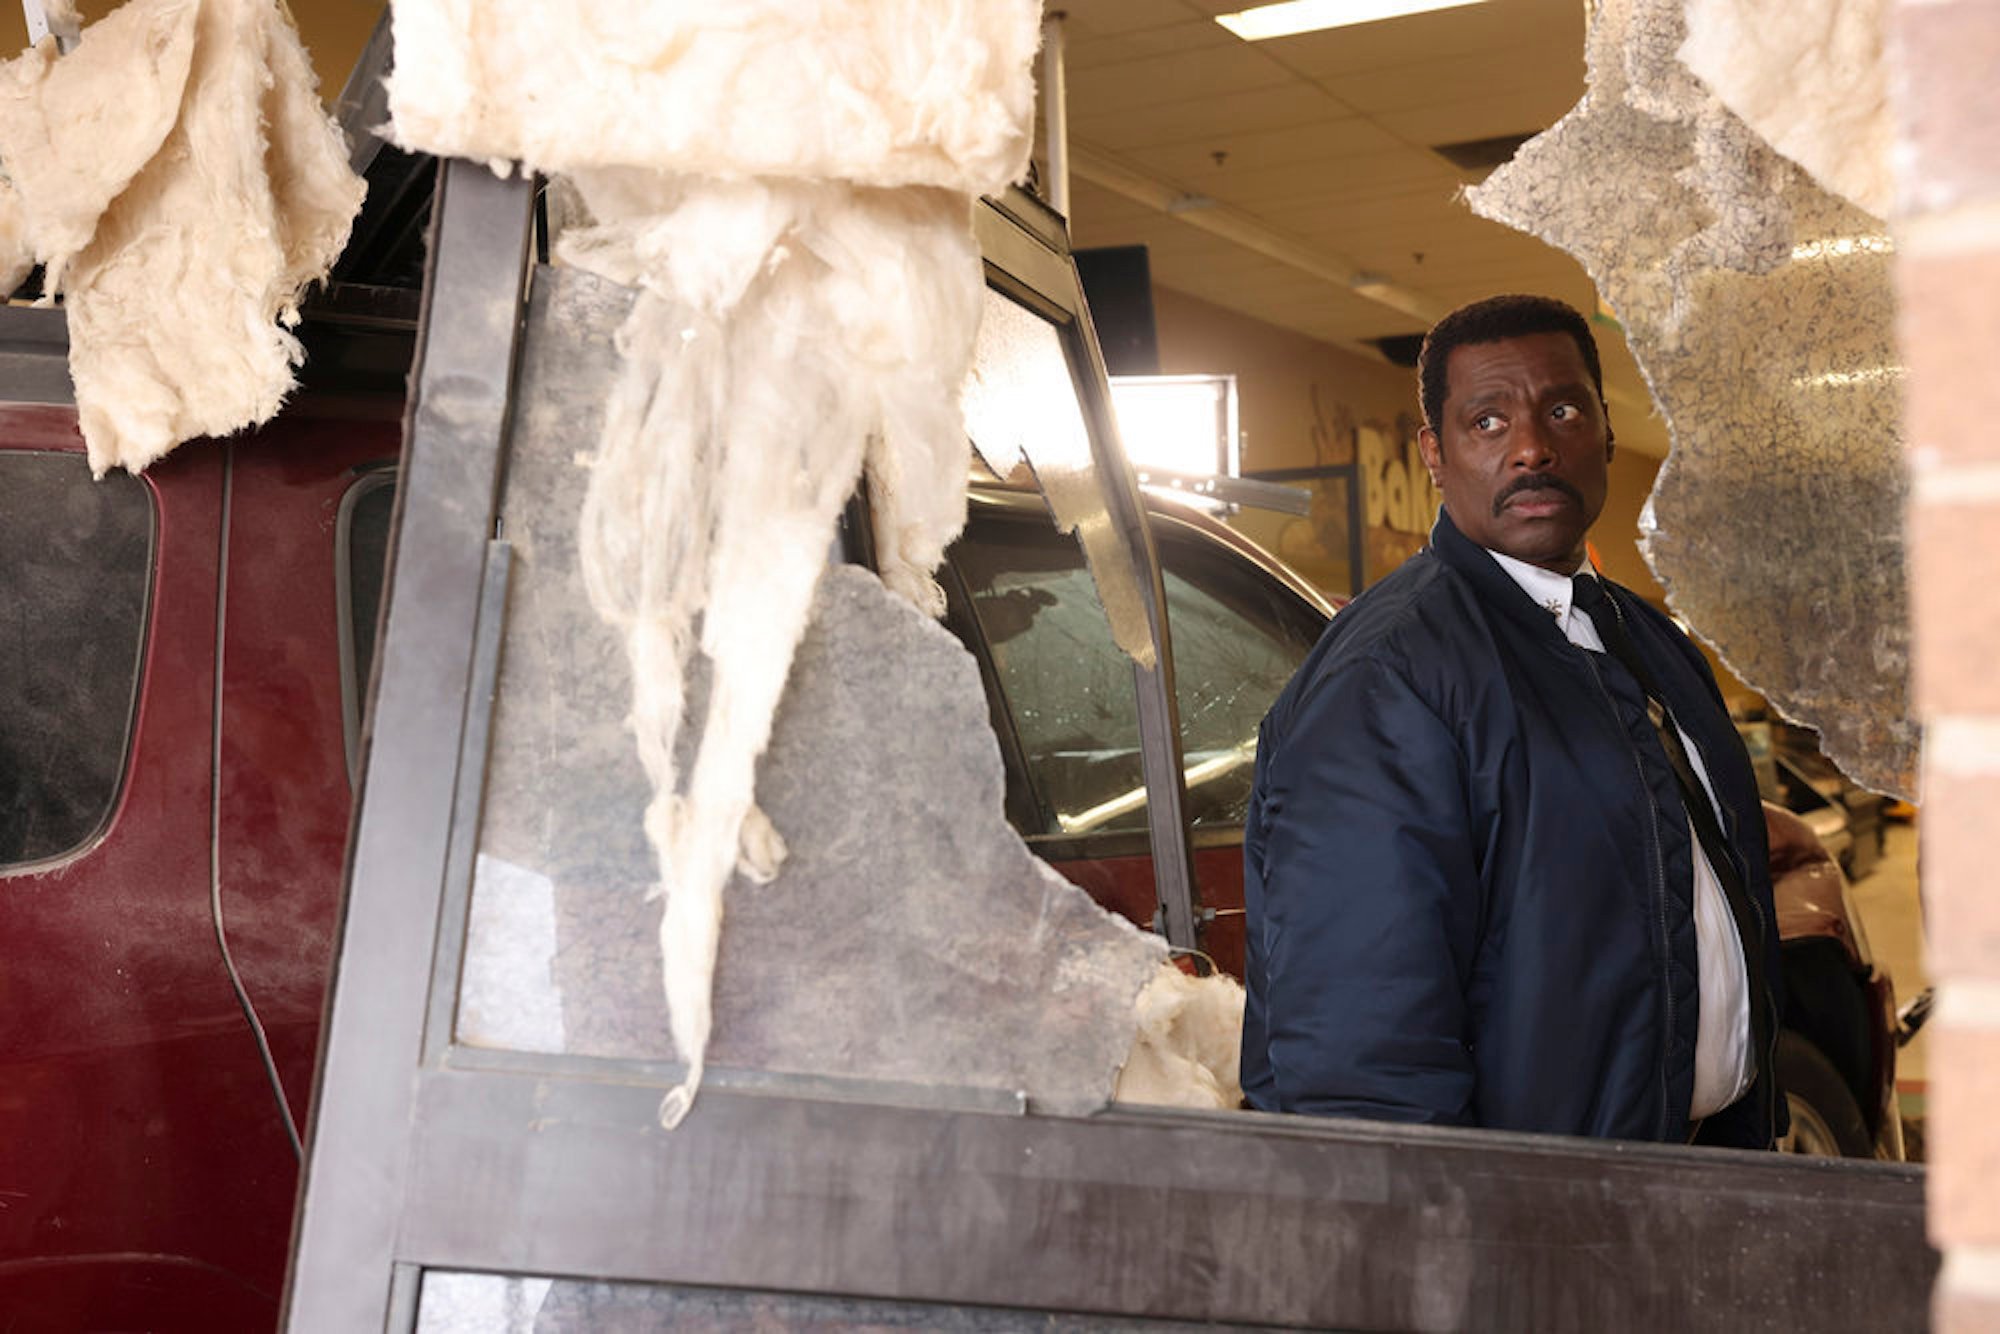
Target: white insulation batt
[(1189, 1043), (1811, 78), (182, 184), (16, 259), (790, 184)]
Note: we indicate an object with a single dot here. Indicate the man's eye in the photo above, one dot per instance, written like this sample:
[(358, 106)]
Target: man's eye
[(1566, 412), (1486, 421)]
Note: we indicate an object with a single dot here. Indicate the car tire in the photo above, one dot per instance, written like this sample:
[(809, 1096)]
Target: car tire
[(1826, 1121)]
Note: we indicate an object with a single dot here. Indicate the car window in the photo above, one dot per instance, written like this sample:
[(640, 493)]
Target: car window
[(1066, 682), (361, 566), (76, 560), (1238, 636)]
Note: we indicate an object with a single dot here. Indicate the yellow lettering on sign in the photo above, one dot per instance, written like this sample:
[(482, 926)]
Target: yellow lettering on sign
[(1397, 487)]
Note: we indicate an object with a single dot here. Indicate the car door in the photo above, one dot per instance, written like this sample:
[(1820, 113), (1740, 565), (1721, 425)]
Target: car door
[(1063, 706)]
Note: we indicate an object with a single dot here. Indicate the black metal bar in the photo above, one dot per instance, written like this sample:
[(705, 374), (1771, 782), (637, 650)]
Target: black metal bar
[(462, 856), (352, 1195), (1216, 1216), (1026, 243)]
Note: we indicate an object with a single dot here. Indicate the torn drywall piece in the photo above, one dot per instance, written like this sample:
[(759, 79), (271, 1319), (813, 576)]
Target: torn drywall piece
[(182, 184), (1760, 309), (1810, 77), (790, 186), (909, 937)]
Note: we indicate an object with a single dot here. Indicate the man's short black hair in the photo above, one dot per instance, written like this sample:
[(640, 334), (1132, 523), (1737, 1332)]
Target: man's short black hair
[(1490, 321)]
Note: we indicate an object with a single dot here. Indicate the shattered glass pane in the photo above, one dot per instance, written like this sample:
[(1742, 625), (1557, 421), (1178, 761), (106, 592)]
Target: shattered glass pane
[(911, 937), (1760, 309), (1021, 405)]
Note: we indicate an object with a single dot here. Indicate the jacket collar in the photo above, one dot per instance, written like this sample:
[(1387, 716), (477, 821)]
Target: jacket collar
[(1495, 587)]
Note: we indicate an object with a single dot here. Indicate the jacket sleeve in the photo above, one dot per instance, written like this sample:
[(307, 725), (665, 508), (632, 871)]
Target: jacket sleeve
[(1371, 906)]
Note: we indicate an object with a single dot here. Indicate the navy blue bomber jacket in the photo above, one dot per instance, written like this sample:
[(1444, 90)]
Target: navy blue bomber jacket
[(1468, 872)]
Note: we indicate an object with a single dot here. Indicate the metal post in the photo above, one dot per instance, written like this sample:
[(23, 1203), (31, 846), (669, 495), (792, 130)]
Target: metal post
[(357, 1160), (1055, 110)]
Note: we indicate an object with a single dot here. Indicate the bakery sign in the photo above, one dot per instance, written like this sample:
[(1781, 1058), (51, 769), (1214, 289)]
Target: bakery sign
[(1396, 488)]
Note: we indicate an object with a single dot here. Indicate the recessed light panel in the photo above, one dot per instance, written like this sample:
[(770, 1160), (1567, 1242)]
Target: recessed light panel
[(1296, 16)]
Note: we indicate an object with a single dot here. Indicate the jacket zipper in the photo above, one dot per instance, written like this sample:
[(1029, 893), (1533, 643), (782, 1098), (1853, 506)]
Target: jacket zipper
[(1659, 895)]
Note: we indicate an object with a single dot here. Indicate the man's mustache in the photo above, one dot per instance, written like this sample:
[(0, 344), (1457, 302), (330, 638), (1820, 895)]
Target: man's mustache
[(1535, 482)]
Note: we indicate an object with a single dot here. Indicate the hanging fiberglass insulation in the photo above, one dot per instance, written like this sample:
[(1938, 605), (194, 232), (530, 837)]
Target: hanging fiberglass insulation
[(1809, 77), (181, 183), (16, 259), (789, 184)]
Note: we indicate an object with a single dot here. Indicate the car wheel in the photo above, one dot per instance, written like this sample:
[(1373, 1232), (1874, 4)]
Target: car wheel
[(1826, 1121)]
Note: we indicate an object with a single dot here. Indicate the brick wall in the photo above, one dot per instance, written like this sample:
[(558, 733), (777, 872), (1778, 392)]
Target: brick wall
[(1944, 58)]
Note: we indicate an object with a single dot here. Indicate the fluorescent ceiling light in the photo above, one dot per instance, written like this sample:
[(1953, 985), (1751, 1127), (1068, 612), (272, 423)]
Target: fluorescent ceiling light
[(1295, 16)]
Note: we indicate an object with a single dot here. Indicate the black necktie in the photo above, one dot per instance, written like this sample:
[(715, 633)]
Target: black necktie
[(1589, 597)]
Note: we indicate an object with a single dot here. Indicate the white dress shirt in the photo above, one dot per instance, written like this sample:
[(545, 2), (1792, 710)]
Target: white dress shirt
[(1722, 1054)]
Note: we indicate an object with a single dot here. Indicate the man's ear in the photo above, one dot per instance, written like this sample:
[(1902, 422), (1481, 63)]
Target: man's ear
[(1432, 450)]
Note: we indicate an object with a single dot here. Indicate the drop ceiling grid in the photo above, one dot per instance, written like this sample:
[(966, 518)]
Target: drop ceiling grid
[(1327, 141)]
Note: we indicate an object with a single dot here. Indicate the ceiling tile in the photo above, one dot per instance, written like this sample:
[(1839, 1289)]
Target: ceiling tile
[(1331, 180), (1084, 52), (1174, 79), (1192, 162), (1125, 129), (1458, 79), (1093, 18), (1526, 111)]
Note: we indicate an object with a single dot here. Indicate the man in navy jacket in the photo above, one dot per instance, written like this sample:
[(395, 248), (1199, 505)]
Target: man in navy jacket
[(1480, 891)]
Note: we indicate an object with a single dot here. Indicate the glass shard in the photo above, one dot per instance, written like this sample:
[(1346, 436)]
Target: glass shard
[(1760, 309)]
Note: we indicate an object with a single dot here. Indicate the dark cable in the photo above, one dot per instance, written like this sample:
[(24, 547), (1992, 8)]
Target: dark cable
[(215, 821)]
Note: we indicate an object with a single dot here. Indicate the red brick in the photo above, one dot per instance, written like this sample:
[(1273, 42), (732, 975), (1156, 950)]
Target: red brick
[(1963, 1312), (1961, 876), (1947, 102), (1948, 309), (1962, 1135), (1954, 551)]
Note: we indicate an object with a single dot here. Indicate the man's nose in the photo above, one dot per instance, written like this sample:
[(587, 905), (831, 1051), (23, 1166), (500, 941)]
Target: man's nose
[(1530, 446)]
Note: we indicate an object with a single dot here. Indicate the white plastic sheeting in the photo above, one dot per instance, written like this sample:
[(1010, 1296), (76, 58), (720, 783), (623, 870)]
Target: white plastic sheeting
[(181, 183), (790, 185), (1761, 311)]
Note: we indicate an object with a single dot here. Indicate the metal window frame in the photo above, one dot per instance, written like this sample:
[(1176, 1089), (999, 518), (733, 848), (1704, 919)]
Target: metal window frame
[(353, 692), (429, 1156)]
